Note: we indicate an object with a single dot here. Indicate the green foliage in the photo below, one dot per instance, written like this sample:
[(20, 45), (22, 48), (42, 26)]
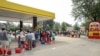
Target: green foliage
[(63, 26), (68, 25), (88, 9), (48, 25), (76, 27), (27, 27), (85, 24), (51, 25), (11, 26), (56, 26)]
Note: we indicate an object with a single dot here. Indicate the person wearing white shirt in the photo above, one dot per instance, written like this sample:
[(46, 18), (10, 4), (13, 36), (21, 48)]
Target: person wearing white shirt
[(33, 40), (33, 36), (22, 38)]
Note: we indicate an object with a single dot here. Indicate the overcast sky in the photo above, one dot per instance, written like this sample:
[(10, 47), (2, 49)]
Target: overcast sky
[(61, 8)]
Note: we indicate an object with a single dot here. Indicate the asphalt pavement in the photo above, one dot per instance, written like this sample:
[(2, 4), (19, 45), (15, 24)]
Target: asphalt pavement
[(64, 46)]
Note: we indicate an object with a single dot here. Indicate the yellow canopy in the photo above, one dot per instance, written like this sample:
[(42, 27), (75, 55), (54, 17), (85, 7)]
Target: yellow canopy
[(9, 6)]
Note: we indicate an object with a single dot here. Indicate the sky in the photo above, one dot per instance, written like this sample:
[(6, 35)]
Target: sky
[(61, 8)]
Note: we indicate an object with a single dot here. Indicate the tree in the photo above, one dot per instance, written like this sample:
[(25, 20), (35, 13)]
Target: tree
[(11, 26), (76, 27), (47, 27), (88, 9), (68, 25), (26, 27), (56, 26), (63, 26), (85, 24), (47, 24)]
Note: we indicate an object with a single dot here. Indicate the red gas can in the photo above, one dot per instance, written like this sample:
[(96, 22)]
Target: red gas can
[(0, 51), (26, 43), (17, 50), (9, 52)]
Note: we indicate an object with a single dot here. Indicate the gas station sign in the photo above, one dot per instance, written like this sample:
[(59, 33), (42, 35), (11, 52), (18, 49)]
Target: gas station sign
[(94, 30)]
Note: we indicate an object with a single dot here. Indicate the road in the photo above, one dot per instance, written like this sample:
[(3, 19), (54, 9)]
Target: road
[(65, 46)]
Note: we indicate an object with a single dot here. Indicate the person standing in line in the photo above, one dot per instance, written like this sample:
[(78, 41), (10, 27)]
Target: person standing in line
[(53, 37), (49, 35), (40, 36), (4, 41), (29, 39), (33, 39), (9, 38), (44, 36), (36, 35), (22, 39)]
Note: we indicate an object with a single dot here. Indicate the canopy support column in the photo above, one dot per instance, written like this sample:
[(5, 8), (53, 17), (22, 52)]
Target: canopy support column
[(34, 23), (21, 25)]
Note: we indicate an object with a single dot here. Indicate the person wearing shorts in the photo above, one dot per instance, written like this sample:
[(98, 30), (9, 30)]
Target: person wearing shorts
[(4, 40), (22, 39), (4, 43)]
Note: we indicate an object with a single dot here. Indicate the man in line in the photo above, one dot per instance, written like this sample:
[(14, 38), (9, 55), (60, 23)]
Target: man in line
[(29, 39), (4, 41)]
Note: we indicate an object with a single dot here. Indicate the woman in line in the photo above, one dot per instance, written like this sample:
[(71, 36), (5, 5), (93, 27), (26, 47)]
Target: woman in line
[(53, 37), (9, 39)]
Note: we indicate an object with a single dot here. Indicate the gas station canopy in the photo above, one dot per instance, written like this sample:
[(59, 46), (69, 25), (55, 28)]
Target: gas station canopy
[(15, 12)]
